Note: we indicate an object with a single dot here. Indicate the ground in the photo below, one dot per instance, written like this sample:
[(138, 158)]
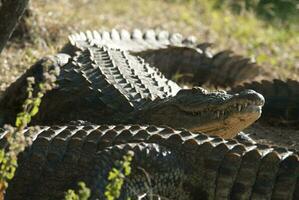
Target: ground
[(275, 46), (277, 136)]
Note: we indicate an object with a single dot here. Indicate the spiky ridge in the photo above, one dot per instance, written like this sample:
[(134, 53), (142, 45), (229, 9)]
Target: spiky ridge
[(136, 41), (147, 82), (172, 54), (220, 69), (123, 81), (281, 100), (96, 80), (201, 166)]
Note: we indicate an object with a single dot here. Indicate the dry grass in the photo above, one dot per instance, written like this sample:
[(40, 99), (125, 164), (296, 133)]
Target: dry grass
[(273, 47)]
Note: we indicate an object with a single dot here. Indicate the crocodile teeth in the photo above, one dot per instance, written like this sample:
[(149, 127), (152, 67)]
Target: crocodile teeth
[(239, 107)]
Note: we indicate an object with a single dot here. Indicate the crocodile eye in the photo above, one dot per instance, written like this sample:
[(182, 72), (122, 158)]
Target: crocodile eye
[(221, 91), (183, 92), (199, 90), (194, 90)]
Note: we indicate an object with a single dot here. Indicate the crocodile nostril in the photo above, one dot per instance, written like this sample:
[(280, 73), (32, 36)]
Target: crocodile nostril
[(253, 96)]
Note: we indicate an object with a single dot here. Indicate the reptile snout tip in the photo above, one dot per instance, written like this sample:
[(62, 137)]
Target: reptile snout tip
[(253, 96)]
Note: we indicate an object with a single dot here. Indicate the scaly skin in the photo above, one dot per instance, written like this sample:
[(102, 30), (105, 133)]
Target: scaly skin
[(180, 164), (104, 85), (281, 100), (173, 54)]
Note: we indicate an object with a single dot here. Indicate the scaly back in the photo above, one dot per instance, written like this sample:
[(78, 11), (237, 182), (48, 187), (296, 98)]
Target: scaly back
[(173, 54), (98, 84)]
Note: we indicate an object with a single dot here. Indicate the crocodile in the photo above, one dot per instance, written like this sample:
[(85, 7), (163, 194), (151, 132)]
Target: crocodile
[(202, 166), (172, 53), (100, 84), (281, 104), (91, 76)]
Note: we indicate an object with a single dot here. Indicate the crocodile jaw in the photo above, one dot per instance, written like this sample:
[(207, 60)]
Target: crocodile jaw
[(230, 126), (212, 113)]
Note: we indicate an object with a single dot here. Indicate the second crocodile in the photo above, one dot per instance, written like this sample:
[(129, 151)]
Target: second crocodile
[(107, 85)]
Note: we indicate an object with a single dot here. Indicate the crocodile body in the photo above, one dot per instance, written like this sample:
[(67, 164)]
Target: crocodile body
[(202, 167), (105, 85), (102, 81), (172, 53)]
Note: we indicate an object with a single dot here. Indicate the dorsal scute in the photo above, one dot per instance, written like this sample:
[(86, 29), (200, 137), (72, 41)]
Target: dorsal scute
[(123, 82), (135, 41)]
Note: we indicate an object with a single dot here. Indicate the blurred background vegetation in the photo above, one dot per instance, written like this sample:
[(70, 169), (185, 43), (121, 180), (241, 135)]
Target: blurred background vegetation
[(266, 30), (277, 11)]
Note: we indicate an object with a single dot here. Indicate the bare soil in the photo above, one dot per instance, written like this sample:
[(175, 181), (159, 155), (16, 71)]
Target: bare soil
[(274, 135)]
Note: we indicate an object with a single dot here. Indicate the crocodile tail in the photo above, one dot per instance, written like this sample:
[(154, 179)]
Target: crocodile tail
[(229, 69), (188, 61), (282, 102), (180, 58), (171, 53)]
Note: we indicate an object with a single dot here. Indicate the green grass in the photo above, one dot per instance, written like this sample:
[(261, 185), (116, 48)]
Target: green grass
[(274, 46)]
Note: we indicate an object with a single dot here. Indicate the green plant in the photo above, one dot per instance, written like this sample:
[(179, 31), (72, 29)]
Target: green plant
[(117, 176), (266, 9), (16, 141), (116, 179), (83, 193), (33, 101)]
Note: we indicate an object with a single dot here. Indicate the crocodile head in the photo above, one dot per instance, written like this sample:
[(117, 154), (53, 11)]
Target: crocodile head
[(214, 113)]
